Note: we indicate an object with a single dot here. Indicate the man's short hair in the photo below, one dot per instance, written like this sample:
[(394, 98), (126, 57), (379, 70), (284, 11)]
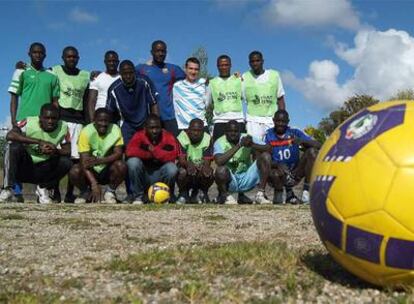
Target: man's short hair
[(224, 56), (49, 107), (152, 117), (69, 48), (102, 111), (193, 60), (126, 63), (255, 53), (34, 44), (111, 52), (281, 112), (231, 123), (196, 120), (156, 42)]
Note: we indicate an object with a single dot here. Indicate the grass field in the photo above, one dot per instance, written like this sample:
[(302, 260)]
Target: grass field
[(163, 254)]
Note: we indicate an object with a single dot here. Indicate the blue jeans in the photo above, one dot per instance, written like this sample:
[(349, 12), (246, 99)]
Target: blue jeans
[(140, 177)]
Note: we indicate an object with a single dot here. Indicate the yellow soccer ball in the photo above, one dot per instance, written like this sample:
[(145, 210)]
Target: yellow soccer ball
[(159, 193), (362, 195)]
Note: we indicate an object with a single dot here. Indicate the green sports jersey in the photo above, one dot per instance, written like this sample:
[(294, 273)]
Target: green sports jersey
[(72, 88), (261, 98), (226, 94), (241, 160), (33, 130), (195, 153), (35, 88)]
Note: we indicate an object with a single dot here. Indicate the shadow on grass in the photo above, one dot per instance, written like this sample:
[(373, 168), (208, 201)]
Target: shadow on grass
[(324, 265)]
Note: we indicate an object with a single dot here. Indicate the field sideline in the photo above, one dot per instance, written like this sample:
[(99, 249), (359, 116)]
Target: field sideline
[(162, 254)]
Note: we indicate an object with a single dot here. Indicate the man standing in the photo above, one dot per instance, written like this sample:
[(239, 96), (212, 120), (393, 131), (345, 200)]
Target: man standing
[(264, 94), (73, 84), (225, 94), (131, 99), (163, 75), (236, 171), (35, 86), (151, 153), (195, 172), (98, 90), (38, 154), (189, 95), (100, 147), (288, 168)]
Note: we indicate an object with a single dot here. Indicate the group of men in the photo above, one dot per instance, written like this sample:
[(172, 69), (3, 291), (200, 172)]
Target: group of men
[(147, 123)]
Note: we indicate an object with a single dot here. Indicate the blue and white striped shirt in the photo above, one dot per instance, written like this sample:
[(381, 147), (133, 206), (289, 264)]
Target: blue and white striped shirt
[(189, 101)]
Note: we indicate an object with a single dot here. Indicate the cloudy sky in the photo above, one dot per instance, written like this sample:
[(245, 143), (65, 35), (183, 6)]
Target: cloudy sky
[(326, 50)]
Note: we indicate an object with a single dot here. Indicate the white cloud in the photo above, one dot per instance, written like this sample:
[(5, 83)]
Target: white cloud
[(81, 16), (383, 64), (315, 13)]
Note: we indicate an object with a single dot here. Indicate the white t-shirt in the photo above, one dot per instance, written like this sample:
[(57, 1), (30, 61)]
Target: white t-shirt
[(189, 101), (280, 92), (101, 84)]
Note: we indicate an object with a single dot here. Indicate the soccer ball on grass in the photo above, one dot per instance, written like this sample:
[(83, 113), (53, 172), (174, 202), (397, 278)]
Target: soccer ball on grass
[(159, 193)]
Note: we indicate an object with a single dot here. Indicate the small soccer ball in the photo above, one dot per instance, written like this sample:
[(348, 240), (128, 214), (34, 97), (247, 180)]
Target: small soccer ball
[(159, 193), (362, 195)]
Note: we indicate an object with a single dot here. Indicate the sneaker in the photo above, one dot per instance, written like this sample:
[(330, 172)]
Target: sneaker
[(69, 198), (43, 196), (55, 195), (244, 199), (305, 197), (230, 200), (83, 197), (138, 201), (181, 200), (278, 197), (109, 198), (203, 198), (291, 198), (261, 199), (6, 195)]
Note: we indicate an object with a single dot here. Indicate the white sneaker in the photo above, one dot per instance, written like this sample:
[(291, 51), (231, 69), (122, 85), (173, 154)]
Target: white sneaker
[(181, 200), (261, 199), (109, 197), (138, 201), (6, 195), (305, 197), (230, 200), (43, 195), (80, 200)]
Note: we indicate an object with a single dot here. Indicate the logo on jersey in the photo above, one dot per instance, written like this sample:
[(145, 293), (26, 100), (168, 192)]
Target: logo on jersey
[(361, 126)]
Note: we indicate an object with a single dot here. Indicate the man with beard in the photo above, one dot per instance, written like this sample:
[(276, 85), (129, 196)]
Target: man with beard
[(38, 153), (195, 172), (151, 153), (163, 75), (288, 168), (236, 171), (101, 148)]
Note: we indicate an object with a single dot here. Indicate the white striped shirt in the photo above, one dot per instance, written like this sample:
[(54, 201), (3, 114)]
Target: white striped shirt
[(189, 101)]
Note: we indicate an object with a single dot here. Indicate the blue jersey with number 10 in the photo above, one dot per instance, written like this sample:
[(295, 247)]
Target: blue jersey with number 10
[(283, 149)]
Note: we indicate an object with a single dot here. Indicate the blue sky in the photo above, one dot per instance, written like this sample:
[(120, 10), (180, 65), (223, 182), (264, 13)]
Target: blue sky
[(326, 50)]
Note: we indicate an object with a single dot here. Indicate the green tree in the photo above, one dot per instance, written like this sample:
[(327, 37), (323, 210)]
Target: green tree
[(315, 133), (351, 106), (404, 95)]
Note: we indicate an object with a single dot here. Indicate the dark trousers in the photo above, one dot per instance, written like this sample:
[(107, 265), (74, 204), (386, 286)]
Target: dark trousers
[(19, 167), (171, 126)]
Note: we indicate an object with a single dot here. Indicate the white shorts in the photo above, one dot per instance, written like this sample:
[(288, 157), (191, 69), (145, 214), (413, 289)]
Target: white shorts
[(74, 131), (257, 129)]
